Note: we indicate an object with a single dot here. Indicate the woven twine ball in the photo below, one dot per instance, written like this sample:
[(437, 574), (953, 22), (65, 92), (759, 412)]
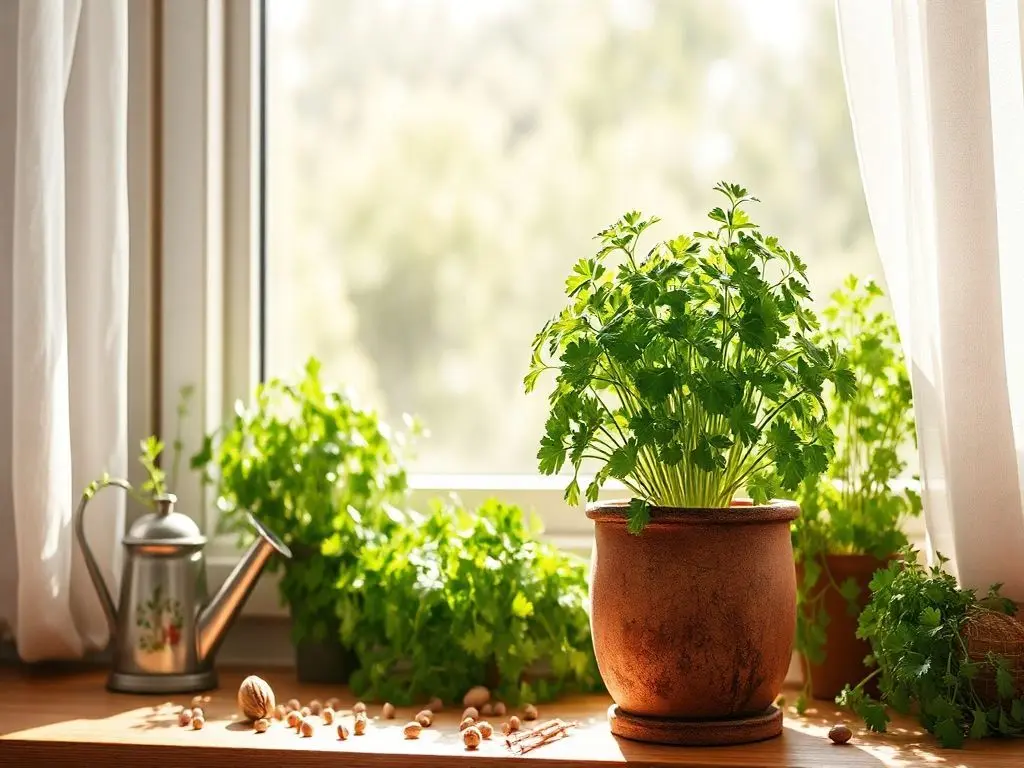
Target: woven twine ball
[(986, 631)]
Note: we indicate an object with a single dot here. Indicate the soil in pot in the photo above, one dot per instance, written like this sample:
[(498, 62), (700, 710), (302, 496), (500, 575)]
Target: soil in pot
[(694, 619), (844, 651)]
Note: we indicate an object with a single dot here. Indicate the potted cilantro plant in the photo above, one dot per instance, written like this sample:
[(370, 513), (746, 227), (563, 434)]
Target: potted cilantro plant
[(688, 373), (850, 521), (323, 474)]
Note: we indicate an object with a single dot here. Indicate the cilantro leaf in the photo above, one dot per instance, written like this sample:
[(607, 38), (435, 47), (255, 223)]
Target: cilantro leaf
[(639, 516)]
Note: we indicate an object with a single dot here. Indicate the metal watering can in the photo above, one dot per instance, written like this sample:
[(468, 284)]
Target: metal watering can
[(164, 632)]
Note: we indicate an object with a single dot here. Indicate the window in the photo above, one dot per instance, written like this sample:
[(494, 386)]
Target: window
[(434, 167), (426, 172)]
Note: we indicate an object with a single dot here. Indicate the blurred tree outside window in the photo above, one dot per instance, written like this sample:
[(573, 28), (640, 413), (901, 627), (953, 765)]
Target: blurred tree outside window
[(435, 167)]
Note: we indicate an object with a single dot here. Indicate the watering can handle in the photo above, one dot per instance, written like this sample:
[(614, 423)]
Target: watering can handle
[(90, 562)]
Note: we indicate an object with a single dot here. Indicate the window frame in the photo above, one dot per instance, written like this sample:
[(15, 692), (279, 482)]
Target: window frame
[(209, 262)]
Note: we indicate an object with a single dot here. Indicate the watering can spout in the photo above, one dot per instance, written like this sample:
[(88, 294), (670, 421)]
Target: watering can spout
[(218, 615)]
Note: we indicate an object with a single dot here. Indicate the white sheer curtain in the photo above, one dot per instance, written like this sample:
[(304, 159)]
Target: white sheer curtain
[(937, 104), (63, 311)]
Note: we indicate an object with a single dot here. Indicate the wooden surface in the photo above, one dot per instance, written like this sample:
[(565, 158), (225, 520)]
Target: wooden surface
[(68, 718)]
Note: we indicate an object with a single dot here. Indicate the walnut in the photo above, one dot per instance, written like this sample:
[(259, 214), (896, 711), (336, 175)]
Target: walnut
[(476, 697), (255, 698)]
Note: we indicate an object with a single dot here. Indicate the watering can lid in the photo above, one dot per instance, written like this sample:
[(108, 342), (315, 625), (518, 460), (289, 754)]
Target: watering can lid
[(165, 526)]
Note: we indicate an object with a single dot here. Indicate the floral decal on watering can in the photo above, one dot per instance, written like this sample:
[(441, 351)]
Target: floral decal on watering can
[(160, 621)]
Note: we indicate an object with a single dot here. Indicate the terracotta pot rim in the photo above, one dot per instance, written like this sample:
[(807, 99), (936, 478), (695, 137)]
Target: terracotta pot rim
[(860, 557), (742, 512)]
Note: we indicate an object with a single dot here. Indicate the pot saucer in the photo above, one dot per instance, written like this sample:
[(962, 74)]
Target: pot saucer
[(696, 733)]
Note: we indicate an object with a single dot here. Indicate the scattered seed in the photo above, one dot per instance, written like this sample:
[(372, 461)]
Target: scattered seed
[(280, 712), (293, 705), (198, 712), (499, 709), (388, 711), (198, 723), (328, 715), (185, 718), (412, 730), (467, 722), (425, 718), (512, 725), (315, 707), (472, 712), (305, 712), (294, 719), (333, 703), (359, 726), (358, 707), (261, 725), (342, 731), (435, 705), (471, 737), (840, 733), (485, 728), (529, 712), (306, 728)]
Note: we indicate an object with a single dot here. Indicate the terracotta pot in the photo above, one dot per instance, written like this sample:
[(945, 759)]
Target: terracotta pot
[(694, 618), (844, 651)]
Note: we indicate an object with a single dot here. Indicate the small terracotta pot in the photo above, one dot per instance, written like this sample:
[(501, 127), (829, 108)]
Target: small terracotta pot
[(844, 651), (694, 618)]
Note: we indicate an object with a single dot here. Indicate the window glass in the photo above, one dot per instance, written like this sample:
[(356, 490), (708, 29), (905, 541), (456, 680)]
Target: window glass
[(436, 166)]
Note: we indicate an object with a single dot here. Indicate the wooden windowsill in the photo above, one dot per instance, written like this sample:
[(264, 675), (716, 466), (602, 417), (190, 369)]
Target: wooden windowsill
[(51, 718)]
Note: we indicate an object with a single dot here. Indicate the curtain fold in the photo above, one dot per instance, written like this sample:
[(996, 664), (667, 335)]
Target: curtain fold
[(63, 235), (936, 102)]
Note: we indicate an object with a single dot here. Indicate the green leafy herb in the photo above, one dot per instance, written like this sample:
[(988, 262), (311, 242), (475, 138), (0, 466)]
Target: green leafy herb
[(318, 471), (460, 597), (688, 372), (915, 624), (855, 508)]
